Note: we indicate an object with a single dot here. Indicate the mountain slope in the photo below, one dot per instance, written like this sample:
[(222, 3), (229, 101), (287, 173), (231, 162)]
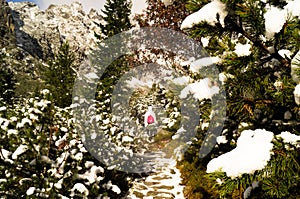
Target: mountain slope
[(41, 32)]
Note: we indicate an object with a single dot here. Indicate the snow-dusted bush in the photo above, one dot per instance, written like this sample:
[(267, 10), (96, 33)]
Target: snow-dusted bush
[(42, 155)]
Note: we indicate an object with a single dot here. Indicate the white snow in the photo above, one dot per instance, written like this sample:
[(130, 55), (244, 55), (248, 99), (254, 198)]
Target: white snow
[(181, 80), (113, 187), (33, 117), (252, 153), (21, 149), (58, 184), (165, 183), (91, 76), (278, 85), (91, 175), (89, 164), (219, 181), (285, 53), (116, 189), (223, 77), (5, 153), (187, 62), (242, 49), (61, 140), (135, 83), (4, 123), (93, 135), (196, 65), (202, 89), (30, 191), (297, 94), (12, 132), (43, 103), (23, 122), (46, 159), (204, 125), (293, 8), (81, 188), (205, 41), (127, 139), (276, 17), (289, 137), (13, 119), (274, 20), (45, 91), (167, 2), (222, 139), (207, 13), (78, 156), (179, 133)]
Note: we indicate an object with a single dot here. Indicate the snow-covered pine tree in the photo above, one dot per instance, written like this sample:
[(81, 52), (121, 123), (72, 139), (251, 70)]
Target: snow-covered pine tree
[(255, 41), (116, 20)]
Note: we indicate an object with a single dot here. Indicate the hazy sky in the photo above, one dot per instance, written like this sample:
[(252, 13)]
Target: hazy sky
[(138, 5)]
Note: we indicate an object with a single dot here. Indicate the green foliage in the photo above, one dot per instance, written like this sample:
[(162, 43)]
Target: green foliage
[(109, 79), (54, 158), (198, 185), (116, 20), (60, 76), (116, 17), (281, 176), (259, 90), (279, 179)]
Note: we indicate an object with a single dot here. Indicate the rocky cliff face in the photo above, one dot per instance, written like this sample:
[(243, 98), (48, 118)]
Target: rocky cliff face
[(15, 58), (41, 32), (6, 25), (29, 37)]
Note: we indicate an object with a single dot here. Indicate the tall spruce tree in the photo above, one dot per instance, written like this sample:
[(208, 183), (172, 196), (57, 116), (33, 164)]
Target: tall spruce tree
[(116, 20), (116, 17)]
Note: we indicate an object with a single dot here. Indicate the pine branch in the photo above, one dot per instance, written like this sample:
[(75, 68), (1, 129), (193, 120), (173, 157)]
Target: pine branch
[(257, 42)]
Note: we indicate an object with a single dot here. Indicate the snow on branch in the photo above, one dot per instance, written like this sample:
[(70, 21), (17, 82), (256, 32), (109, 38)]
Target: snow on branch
[(208, 13), (252, 153), (275, 18)]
